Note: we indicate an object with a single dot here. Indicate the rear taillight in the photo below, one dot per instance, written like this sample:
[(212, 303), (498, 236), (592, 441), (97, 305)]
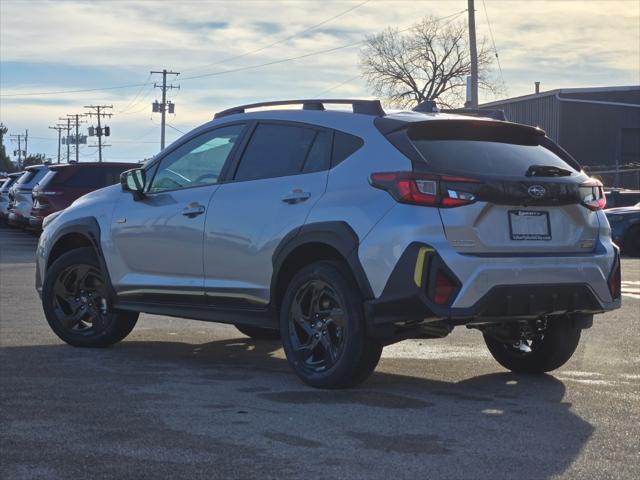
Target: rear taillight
[(614, 279), (427, 190), (444, 289), (592, 194)]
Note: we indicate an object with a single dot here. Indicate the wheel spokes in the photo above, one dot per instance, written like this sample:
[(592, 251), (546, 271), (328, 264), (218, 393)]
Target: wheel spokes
[(317, 323), (77, 293)]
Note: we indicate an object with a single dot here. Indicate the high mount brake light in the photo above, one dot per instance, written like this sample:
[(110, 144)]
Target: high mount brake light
[(592, 194), (428, 190)]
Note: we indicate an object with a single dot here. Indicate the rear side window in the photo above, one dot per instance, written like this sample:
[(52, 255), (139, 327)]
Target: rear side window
[(48, 179), (93, 178), (484, 148), (275, 151), (112, 175), (26, 177), (7, 184), (90, 178), (344, 145)]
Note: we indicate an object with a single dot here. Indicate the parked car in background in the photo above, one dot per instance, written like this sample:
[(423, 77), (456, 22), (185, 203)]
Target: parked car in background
[(20, 200), (65, 183), (621, 197), (5, 185), (625, 228)]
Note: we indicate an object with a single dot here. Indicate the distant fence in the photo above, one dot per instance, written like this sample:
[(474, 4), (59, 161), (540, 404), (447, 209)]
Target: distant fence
[(623, 178)]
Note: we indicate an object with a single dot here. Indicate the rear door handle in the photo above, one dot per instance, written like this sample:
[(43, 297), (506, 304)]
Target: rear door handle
[(296, 196), (193, 210)]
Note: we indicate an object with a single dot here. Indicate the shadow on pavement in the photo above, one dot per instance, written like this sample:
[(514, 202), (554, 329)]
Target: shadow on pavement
[(234, 408)]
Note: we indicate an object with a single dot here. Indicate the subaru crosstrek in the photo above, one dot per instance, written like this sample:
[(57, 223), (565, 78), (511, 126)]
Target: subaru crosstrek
[(341, 233)]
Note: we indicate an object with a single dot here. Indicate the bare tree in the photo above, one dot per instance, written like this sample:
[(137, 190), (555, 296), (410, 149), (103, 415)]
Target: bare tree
[(430, 61)]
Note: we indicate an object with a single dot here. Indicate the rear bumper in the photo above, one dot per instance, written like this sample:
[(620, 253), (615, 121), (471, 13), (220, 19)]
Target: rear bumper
[(408, 297)]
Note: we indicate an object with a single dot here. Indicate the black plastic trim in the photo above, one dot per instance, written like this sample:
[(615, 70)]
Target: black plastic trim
[(338, 235), (258, 317), (89, 228), (403, 302)]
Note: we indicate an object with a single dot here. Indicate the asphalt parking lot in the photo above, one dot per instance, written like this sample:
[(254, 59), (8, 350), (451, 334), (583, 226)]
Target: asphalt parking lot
[(187, 399)]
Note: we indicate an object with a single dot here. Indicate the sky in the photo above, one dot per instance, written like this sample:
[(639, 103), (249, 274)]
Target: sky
[(48, 49)]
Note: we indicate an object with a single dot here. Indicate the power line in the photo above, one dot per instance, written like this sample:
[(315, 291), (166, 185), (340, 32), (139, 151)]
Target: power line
[(222, 72), (317, 95), (495, 50), (133, 102), (282, 40)]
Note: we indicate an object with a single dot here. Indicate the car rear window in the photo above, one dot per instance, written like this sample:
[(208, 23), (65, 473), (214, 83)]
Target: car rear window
[(26, 177), (344, 145), (485, 148), (48, 179)]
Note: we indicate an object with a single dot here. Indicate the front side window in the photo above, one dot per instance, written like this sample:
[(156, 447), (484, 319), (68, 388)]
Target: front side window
[(275, 150), (198, 162)]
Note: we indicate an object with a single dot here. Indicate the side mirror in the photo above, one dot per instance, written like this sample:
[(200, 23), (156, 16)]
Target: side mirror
[(134, 181)]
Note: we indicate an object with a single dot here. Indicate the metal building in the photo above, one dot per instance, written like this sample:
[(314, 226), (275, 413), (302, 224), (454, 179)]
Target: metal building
[(600, 127)]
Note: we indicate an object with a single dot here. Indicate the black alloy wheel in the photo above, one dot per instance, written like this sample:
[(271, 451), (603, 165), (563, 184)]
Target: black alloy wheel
[(75, 299), (317, 326), (79, 300), (323, 327)]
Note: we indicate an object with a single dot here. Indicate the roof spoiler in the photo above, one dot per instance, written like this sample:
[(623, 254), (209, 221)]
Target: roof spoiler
[(478, 112), (365, 107)]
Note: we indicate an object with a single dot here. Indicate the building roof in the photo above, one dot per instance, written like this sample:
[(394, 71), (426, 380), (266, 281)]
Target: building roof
[(561, 91)]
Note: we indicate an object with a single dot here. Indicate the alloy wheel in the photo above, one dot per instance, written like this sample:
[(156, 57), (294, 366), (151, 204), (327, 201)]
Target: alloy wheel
[(79, 300), (317, 326)]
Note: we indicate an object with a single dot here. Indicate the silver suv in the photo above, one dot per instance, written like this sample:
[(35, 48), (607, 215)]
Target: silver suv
[(341, 232)]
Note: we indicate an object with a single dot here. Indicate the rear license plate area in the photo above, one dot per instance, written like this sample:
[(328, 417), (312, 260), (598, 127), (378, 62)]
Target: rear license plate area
[(529, 225)]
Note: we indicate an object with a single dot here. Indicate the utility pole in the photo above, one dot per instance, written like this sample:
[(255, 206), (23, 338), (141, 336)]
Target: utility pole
[(3, 131), (162, 107), (68, 130), (59, 128), (474, 53), (18, 137), (76, 118), (99, 112)]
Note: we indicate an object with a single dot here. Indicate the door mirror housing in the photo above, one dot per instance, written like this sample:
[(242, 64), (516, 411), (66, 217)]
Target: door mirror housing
[(134, 181)]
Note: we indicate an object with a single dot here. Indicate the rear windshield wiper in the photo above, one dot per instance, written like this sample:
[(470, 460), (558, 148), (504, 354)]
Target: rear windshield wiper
[(547, 171)]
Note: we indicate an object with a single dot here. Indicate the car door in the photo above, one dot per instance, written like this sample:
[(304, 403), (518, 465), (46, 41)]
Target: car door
[(278, 178), (157, 240)]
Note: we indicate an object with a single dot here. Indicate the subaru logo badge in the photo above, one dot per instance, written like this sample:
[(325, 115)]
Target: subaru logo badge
[(537, 191)]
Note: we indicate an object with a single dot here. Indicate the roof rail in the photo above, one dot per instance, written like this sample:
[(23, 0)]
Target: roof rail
[(365, 107), (496, 114)]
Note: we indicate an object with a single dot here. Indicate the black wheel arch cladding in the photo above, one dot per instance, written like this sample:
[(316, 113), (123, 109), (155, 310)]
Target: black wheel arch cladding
[(337, 235)]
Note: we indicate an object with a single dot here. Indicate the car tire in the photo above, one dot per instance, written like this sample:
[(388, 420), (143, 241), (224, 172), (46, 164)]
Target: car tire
[(558, 343), (322, 326), (259, 333), (631, 244), (72, 298)]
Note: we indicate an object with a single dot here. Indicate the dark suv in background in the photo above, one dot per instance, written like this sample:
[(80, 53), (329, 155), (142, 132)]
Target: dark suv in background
[(65, 183), (5, 185), (20, 201)]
